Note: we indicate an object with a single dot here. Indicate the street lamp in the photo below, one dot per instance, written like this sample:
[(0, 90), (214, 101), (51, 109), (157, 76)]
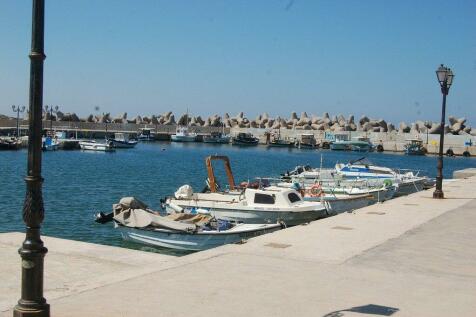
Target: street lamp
[(445, 78), (50, 110), (18, 109), (32, 251)]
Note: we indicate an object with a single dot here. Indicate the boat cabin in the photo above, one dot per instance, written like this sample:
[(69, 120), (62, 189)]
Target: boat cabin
[(119, 136), (280, 197), (341, 137)]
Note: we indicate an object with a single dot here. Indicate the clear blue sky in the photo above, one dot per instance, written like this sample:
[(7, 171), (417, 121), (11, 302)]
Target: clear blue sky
[(143, 57)]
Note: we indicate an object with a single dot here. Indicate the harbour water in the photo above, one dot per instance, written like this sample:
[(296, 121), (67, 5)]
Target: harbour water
[(78, 184)]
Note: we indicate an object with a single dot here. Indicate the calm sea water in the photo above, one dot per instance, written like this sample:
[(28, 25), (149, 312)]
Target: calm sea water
[(78, 184)]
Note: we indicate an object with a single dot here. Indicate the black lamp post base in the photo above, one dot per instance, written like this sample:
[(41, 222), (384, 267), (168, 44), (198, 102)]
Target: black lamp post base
[(438, 194), (43, 311)]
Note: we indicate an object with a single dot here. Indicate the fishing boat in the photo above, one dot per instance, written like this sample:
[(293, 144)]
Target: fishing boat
[(275, 140), (245, 139), (341, 143), (96, 146), (248, 205), (49, 144), (306, 141), (10, 143), (415, 147), (358, 144), (146, 135), (361, 144), (121, 140), (182, 134), (187, 232), (408, 181), (217, 138)]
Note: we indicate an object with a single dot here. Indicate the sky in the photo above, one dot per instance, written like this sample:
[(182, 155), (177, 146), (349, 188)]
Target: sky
[(145, 57)]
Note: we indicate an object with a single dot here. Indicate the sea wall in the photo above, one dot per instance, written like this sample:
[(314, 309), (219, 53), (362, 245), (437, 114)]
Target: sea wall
[(393, 141)]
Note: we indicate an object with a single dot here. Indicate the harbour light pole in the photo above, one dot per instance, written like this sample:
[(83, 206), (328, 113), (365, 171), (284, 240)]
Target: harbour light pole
[(50, 110), (32, 252), (18, 110), (445, 78)]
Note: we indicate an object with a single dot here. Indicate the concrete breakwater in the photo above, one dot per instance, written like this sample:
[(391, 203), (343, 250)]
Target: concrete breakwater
[(393, 140), (326, 122)]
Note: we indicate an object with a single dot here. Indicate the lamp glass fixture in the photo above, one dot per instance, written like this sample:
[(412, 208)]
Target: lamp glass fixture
[(441, 74)]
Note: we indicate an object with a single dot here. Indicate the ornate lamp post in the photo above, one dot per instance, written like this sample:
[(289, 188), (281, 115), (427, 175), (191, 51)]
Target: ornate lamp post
[(32, 252), (50, 110), (18, 110), (445, 78)]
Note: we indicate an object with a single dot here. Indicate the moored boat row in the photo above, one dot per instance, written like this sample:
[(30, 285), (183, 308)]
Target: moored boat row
[(191, 220)]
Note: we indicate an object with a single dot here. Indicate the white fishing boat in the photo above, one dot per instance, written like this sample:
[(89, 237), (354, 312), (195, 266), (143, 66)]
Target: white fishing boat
[(138, 223), (408, 181), (96, 146), (122, 140), (182, 134), (247, 205)]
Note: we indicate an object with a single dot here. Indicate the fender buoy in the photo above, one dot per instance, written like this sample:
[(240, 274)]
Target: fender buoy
[(466, 154), (450, 152), (316, 190), (380, 148)]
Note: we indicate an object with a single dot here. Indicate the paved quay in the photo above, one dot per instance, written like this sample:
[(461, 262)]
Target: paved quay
[(412, 256)]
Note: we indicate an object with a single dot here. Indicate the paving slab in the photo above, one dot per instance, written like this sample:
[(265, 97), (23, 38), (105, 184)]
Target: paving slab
[(71, 266)]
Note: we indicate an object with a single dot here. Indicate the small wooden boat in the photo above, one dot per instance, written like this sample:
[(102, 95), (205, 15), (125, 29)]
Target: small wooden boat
[(415, 147), (276, 140), (217, 138), (10, 143), (146, 135), (183, 135), (121, 140), (49, 144), (245, 139), (306, 141), (96, 146), (185, 232)]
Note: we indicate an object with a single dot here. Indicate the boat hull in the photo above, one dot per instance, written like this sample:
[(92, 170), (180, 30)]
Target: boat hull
[(219, 140), (183, 138), (339, 146), (254, 216), (123, 144), (100, 147), (244, 142), (335, 205), (409, 187), (192, 241)]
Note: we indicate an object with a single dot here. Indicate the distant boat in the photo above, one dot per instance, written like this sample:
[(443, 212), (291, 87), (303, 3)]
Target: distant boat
[(121, 140), (217, 138), (146, 135), (306, 141), (96, 146), (341, 143), (10, 143), (361, 144), (246, 139), (275, 140), (183, 135), (415, 147), (49, 144)]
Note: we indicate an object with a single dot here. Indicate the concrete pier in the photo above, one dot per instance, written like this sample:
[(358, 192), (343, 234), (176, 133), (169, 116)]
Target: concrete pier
[(411, 256)]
